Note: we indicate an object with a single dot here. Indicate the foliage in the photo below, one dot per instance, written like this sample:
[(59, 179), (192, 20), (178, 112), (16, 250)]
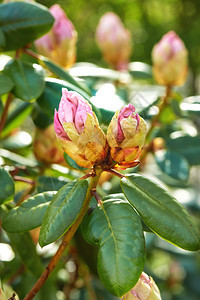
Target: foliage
[(75, 206)]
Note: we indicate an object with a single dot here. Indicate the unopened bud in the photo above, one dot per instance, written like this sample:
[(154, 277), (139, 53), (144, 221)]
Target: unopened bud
[(145, 289), (170, 60), (46, 146), (59, 44), (114, 40), (126, 135), (78, 130)]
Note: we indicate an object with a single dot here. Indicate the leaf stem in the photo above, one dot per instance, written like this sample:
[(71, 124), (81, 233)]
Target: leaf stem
[(67, 238), (5, 112), (115, 173)]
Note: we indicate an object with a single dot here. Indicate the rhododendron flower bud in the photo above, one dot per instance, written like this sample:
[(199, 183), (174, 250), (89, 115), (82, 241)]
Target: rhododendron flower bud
[(78, 130), (46, 146), (170, 60), (114, 40), (126, 134), (145, 289), (59, 44)]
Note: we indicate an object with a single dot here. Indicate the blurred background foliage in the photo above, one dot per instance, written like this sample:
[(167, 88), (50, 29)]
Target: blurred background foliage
[(147, 20)]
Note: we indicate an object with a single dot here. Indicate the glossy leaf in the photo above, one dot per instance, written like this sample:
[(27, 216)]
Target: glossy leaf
[(172, 164), (6, 84), (190, 106), (63, 211), (140, 70), (23, 244), (22, 23), (187, 146), (28, 79), (17, 141), (7, 186), (17, 159), (40, 119), (29, 214), (64, 75), (49, 183), (50, 98), (116, 228), (17, 117), (161, 212)]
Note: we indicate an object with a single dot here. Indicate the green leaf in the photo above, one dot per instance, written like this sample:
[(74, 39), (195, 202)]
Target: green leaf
[(29, 214), (1, 107), (72, 163), (190, 106), (40, 119), (6, 84), (17, 141), (7, 186), (116, 228), (49, 183), (62, 74), (2, 39), (17, 117), (63, 211), (187, 146), (50, 99), (22, 23), (28, 79), (172, 164), (18, 159), (140, 70), (161, 212), (23, 244)]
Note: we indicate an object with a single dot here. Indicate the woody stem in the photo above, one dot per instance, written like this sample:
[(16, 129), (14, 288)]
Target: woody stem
[(67, 238)]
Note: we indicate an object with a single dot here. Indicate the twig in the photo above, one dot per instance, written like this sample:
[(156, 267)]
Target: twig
[(31, 53), (115, 173), (96, 196), (24, 179), (5, 112), (156, 118), (67, 238)]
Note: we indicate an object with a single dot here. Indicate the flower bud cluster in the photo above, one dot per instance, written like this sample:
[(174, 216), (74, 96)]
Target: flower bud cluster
[(81, 137), (114, 40), (145, 289), (59, 44), (170, 60)]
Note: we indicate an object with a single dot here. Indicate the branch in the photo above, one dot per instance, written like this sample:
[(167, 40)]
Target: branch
[(156, 118), (67, 238), (5, 112)]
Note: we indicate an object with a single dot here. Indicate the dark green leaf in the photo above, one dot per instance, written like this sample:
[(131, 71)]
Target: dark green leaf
[(29, 214), (49, 183), (7, 186), (172, 164), (1, 107), (40, 119), (28, 79), (140, 70), (161, 212), (187, 146), (22, 23), (6, 84), (17, 117), (63, 211), (72, 162), (23, 243), (117, 229), (2, 39), (50, 99), (62, 74)]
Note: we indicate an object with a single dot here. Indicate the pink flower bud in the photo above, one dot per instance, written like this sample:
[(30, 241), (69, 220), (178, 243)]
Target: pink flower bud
[(114, 40), (59, 44), (170, 60), (46, 146), (126, 135), (78, 130), (145, 289)]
